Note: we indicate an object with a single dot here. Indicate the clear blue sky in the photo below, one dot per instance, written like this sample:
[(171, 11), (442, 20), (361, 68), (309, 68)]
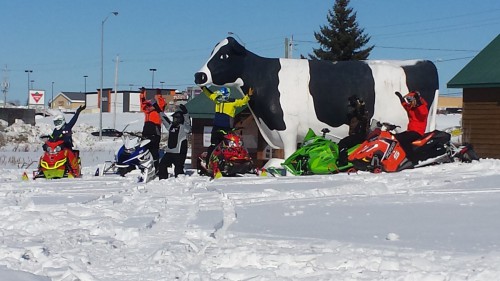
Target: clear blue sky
[(60, 40)]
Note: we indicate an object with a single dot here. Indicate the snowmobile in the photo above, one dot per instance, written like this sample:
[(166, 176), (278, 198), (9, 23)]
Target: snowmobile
[(54, 163), (317, 155), (229, 158), (381, 152), (132, 155)]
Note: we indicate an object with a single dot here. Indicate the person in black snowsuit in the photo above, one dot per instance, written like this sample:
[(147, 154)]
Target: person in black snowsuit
[(152, 123), (63, 130), (357, 118), (177, 145)]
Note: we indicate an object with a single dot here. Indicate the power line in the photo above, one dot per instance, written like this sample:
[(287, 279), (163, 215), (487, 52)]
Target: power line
[(463, 58), (468, 15), (425, 49), (433, 30)]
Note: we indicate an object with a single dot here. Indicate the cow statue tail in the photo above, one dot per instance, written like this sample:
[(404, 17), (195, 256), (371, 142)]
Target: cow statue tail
[(431, 119)]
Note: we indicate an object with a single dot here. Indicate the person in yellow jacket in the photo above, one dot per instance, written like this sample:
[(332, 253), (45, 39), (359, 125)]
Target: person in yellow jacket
[(225, 110)]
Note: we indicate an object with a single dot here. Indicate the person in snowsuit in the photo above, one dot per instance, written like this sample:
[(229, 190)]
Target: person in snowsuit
[(63, 130), (225, 110), (177, 145), (417, 111), (152, 123), (357, 118)]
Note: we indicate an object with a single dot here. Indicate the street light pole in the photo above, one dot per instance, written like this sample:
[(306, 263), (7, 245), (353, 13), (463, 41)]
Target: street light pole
[(52, 100), (28, 71), (85, 84), (102, 71), (153, 79)]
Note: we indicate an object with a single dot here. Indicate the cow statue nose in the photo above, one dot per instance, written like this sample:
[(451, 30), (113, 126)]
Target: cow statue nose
[(200, 78)]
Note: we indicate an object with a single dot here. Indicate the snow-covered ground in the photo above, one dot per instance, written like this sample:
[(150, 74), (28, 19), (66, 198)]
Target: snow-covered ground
[(434, 223)]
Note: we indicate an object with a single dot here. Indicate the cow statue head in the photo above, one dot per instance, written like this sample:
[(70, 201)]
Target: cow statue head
[(225, 65)]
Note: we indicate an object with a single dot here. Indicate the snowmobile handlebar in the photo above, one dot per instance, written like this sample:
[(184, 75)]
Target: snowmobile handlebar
[(138, 135), (387, 126)]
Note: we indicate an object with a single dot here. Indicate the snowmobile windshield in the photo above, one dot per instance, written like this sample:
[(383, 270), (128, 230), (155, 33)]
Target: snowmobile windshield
[(130, 144), (309, 138)]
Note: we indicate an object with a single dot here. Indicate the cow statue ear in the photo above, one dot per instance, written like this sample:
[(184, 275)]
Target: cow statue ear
[(236, 46)]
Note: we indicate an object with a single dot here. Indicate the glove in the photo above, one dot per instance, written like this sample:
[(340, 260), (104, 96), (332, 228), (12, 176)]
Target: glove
[(205, 89), (183, 109), (401, 99), (82, 107)]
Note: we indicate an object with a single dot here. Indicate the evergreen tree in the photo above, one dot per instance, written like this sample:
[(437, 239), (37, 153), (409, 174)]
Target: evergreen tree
[(342, 39)]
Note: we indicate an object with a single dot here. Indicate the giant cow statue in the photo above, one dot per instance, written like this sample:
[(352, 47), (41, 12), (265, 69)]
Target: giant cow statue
[(293, 95)]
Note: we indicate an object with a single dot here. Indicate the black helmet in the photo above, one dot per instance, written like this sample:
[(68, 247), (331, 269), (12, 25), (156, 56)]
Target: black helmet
[(177, 118), (355, 101)]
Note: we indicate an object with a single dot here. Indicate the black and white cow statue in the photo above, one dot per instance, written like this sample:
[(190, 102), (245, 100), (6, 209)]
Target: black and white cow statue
[(293, 95)]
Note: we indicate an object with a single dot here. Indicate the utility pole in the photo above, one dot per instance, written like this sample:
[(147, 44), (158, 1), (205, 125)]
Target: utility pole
[(5, 85), (289, 48), (287, 44), (117, 60)]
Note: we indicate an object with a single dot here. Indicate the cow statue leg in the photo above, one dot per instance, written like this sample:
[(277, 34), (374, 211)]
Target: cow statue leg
[(289, 146), (289, 140)]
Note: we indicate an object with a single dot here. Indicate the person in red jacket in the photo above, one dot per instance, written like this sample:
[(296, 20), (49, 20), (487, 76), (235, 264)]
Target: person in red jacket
[(152, 122), (416, 108)]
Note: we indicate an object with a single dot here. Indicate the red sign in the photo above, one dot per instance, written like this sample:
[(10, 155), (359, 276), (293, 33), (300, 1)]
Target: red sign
[(36, 96)]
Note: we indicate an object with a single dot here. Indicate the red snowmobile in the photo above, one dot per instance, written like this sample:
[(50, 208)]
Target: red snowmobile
[(229, 158), (54, 162), (381, 152)]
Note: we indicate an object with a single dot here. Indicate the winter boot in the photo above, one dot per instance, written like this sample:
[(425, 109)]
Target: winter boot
[(342, 160), (73, 163)]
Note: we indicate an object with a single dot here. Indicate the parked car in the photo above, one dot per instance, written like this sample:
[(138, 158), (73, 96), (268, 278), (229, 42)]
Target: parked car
[(108, 133)]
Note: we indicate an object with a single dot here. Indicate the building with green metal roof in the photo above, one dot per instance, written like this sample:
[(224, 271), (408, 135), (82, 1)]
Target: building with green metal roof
[(202, 107), (483, 71), (480, 81)]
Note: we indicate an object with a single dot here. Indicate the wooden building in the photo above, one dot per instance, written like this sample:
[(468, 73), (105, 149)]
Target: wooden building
[(480, 81), (202, 111), (68, 101)]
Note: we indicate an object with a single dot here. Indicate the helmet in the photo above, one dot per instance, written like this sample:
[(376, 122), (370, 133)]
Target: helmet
[(355, 101), (223, 94), (59, 121), (177, 118)]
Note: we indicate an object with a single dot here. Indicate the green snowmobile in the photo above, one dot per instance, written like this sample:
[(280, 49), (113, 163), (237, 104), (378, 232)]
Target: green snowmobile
[(316, 156)]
